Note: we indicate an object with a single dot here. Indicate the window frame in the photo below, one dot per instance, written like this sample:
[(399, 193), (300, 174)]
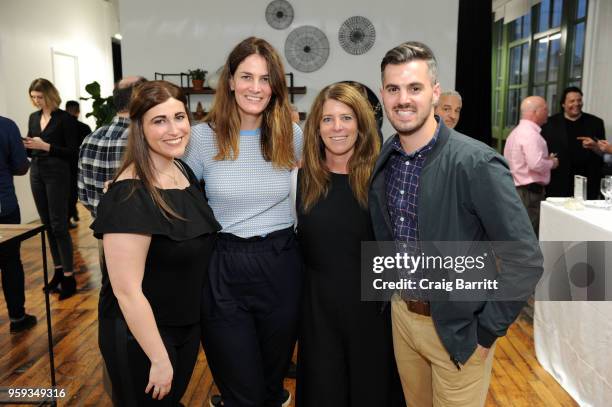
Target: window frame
[(501, 62)]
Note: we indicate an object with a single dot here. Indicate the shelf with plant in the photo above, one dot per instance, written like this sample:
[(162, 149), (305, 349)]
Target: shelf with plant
[(197, 78)]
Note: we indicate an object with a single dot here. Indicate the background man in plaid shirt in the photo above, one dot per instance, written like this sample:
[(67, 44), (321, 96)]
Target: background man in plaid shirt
[(102, 151)]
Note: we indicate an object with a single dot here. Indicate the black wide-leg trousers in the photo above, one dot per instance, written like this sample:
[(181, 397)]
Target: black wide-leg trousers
[(249, 316)]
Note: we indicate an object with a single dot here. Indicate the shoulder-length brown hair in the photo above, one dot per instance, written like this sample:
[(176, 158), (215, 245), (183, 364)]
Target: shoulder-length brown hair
[(144, 97), (50, 93), (314, 183), (276, 125)]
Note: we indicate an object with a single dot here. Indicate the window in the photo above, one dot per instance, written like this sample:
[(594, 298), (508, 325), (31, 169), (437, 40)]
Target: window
[(546, 68), (539, 53), (498, 75), (576, 55), (520, 28), (519, 80)]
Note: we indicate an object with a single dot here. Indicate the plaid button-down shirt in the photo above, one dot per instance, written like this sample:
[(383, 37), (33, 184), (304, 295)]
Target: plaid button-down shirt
[(99, 158), (402, 184), (402, 188)]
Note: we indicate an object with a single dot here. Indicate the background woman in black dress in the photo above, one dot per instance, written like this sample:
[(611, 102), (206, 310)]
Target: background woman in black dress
[(53, 144), (158, 235), (345, 355)]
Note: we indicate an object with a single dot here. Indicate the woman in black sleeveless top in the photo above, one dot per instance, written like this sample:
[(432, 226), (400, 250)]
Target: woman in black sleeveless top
[(345, 353)]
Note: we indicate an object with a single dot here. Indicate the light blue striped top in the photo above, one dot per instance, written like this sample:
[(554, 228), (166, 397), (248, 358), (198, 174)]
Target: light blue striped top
[(248, 196)]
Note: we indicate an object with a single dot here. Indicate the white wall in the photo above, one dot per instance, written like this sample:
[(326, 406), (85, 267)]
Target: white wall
[(29, 31), (174, 36), (597, 82)]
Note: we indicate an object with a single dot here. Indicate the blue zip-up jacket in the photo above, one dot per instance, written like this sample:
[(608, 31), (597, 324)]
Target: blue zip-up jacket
[(466, 194)]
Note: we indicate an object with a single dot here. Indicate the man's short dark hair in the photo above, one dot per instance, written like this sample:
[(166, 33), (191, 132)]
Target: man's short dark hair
[(73, 105), (567, 90), (411, 51), (121, 95)]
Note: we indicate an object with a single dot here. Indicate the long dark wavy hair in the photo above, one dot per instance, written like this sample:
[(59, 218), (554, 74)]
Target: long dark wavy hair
[(276, 125), (144, 97)]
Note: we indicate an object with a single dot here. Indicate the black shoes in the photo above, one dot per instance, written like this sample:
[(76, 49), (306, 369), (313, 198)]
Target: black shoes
[(217, 401), (292, 371), (72, 222), (67, 288), (27, 322), (55, 281), (286, 397)]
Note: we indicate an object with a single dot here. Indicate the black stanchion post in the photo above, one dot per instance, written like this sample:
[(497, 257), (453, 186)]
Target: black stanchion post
[(48, 308)]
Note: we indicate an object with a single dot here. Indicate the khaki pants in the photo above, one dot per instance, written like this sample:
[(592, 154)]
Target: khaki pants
[(429, 377)]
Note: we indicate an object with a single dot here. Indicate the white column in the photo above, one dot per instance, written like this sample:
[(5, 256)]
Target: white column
[(597, 80)]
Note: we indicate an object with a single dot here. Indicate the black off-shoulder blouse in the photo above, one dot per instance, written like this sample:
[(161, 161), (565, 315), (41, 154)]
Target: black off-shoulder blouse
[(179, 253)]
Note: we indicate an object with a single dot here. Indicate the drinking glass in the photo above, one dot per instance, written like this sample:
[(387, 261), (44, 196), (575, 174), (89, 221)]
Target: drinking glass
[(606, 189)]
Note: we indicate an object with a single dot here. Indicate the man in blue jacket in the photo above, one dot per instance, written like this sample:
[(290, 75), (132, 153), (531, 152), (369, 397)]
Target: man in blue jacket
[(433, 184), (13, 161)]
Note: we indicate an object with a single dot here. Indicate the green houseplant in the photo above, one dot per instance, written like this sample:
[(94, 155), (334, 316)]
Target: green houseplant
[(197, 78), (103, 108)]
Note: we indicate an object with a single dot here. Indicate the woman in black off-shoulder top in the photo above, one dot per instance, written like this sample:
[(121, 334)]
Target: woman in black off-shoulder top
[(158, 231)]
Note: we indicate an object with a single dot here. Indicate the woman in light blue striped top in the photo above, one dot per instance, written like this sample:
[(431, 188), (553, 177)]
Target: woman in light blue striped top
[(244, 153)]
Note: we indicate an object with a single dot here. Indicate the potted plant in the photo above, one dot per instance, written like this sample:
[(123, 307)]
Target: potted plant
[(197, 78), (103, 108)]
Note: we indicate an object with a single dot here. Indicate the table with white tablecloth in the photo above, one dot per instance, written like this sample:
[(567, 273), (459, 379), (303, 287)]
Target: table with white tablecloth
[(573, 339)]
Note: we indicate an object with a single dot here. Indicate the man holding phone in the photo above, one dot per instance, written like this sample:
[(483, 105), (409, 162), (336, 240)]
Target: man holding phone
[(573, 135)]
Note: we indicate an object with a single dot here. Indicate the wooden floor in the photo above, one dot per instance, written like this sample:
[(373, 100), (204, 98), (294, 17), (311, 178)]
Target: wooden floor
[(517, 379)]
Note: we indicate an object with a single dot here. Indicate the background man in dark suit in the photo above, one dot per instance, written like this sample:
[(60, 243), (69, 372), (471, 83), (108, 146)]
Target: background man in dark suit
[(72, 107), (573, 135)]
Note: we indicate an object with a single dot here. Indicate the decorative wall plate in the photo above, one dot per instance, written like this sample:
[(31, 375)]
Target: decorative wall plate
[(306, 48), (357, 35), (279, 14)]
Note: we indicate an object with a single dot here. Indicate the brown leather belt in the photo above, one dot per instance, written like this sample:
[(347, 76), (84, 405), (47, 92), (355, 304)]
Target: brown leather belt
[(419, 307)]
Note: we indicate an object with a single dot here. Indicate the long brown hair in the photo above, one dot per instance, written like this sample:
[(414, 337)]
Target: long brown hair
[(144, 97), (276, 125), (315, 179), (50, 93)]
